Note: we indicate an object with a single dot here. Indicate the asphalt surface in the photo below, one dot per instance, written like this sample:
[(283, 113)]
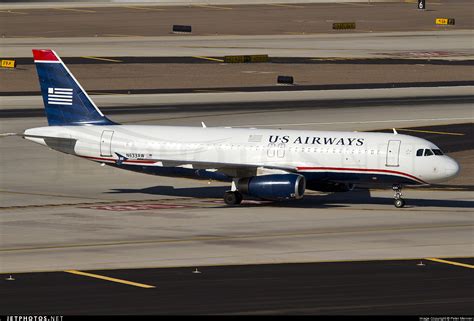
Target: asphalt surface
[(461, 138), (130, 20), (402, 287), (257, 88), (120, 77)]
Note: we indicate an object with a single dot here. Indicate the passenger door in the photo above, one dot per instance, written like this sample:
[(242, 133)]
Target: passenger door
[(393, 153)]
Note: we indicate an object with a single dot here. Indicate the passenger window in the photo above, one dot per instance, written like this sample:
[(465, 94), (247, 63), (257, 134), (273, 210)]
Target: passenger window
[(419, 152), (437, 152), (428, 152)]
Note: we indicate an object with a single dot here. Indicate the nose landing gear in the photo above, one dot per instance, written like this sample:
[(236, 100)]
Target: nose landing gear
[(399, 202)]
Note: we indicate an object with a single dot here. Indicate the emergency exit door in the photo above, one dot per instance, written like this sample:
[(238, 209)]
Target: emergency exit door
[(106, 143), (393, 153)]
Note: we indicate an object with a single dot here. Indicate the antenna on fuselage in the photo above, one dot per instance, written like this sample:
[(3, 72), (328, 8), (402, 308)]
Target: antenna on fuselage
[(395, 131)]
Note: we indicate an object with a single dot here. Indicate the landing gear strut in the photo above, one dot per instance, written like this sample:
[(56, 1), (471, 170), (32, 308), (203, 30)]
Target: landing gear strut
[(399, 202), (233, 198)]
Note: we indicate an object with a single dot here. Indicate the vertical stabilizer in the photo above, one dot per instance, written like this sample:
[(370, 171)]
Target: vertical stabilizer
[(65, 101)]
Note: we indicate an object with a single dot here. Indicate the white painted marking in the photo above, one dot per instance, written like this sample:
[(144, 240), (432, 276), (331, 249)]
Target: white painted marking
[(60, 96), (58, 103)]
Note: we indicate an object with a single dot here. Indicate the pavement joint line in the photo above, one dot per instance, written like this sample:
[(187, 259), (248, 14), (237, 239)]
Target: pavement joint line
[(76, 10), (120, 35), (285, 5), (106, 278), (198, 238), (430, 132), (356, 4), (469, 266), (103, 93), (104, 59), (209, 91), (52, 195), (87, 204), (209, 58)]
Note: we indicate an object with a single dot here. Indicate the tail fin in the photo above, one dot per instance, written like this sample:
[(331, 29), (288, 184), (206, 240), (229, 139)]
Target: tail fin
[(65, 101)]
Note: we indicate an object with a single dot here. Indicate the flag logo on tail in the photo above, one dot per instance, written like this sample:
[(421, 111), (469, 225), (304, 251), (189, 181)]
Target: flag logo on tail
[(60, 96)]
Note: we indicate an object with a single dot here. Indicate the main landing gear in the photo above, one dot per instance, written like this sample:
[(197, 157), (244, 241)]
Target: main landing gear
[(399, 202), (233, 198)]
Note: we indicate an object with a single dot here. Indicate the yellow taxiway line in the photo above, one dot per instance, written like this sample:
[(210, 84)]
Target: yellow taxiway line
[(211, 7), (104, 59), (140, 285), (209, 58), (284, 5), (469, 266), (76, 10), (144, 8)]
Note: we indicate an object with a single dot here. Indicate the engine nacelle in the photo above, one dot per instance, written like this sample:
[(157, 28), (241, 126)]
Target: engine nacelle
[(331, 187), (273, 187)]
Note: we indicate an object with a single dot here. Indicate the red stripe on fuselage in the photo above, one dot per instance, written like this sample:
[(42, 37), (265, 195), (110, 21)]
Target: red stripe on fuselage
[(125, 161), (385, 171)]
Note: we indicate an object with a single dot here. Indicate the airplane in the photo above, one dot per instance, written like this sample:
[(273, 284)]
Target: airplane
[(269, 164)]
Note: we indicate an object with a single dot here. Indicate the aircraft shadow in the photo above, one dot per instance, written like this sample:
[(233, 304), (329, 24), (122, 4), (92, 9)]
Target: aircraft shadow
[(467, 188), (358, 196), (195, 192)]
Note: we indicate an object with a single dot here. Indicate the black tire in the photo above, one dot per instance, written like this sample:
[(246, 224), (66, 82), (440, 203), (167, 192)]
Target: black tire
[(232, 198), (399, 203)]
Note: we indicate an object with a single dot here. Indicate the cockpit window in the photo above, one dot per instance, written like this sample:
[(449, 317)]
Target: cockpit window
[(429, 152)]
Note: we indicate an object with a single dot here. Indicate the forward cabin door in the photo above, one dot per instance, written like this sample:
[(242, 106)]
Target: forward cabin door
[(106, 143), (393, 153)]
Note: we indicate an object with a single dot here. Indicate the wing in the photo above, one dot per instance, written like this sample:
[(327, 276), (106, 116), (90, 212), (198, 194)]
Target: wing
[(230, 169)]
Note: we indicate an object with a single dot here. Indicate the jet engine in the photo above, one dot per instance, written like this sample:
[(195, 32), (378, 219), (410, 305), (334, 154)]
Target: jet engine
[(273, 187)]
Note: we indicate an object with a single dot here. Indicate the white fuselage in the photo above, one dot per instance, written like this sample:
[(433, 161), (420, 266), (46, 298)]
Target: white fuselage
[(351, 157)]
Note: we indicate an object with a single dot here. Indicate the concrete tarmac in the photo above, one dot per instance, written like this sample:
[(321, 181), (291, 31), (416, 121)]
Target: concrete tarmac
[(269, 19), (59, 212), (435, 44)]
